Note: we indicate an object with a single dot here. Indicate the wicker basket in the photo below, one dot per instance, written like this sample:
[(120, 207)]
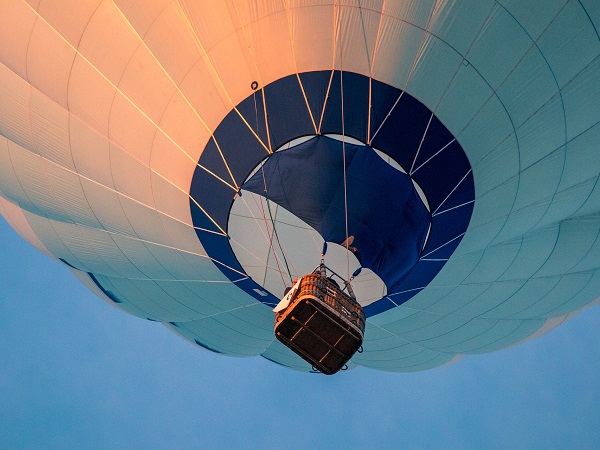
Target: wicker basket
[(322, 324)]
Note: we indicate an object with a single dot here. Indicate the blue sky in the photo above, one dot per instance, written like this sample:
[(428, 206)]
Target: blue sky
[(76, 372)]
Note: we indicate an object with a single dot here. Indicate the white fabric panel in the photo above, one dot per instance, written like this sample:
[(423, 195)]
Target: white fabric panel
[(185, 130), (132, 178), (592, 9), (68, 191), (489, 128), (144, 74), (50, 129), (581, 161), (581, 96), (9, 183), (498, 166), (279, 354), (161, 25), (432, 72), (471, 300), (528, 87), (90, 151), (466, 94), (44, 230), (416, 12), (575, 241), (505, 335), (581, 300), (147, 300), (543, 133), (490, 215), (15, 217), (568, 202), (17, 20), (49, 60), (207, 298), (90, 96), (400, 45), (312, 35), (358, 30), (124, 111), (142, 19), (458, 27), (537, 185), (493, 263), (199, 85), (107, 208), (534, 249), (86, 280), (568, 53), (14, 109), (533, 18), (31, 175), (72, 25), (395, 354), (184, 237), (568, 287), (489, 53), (264, 34), (119, 42), (229, 333)]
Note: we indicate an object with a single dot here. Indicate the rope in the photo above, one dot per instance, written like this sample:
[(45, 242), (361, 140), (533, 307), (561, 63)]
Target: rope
[(262, 169), (344, 152), (270, 240), (277, 238)]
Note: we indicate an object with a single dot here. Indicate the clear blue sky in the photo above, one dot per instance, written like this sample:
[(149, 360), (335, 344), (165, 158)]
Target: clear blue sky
[(77, 373)]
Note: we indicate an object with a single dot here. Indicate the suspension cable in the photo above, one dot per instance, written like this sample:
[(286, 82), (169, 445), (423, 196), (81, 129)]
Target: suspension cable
[(344, 146), (262, 169)]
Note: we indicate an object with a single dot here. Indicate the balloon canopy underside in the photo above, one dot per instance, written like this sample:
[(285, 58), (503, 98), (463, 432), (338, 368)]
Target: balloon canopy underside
[(128, 132)]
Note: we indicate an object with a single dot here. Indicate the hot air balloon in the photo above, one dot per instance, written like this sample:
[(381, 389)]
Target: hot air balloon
[(187, 161)]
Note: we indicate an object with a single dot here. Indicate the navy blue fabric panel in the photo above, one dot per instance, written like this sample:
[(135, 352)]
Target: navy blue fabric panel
[(226, 261), (106, 292), (288, 112), (207, 347), (385, 215), (199, 217), (68, 264), (303, 179), (332, 116), (446, 227), (356, 106), (239, 146), (315, 87), (383, 98), (403, 296), (419, 277), (252, 110), (444, 252), (378, 307), (439, 180), (401, 133), (462, 194), (436, 138), (211, 193)]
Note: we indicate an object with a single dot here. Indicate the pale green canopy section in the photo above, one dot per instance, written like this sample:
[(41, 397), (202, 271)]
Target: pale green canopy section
[(106, 107)]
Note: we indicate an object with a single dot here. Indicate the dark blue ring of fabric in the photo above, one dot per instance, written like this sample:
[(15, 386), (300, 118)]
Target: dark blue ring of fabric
[(445, 176)]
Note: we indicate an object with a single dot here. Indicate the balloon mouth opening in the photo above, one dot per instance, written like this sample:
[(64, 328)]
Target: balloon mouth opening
[(434, 182), (336, 189)]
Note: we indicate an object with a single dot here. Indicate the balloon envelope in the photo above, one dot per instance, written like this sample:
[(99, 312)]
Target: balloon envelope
[(134, 139)]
